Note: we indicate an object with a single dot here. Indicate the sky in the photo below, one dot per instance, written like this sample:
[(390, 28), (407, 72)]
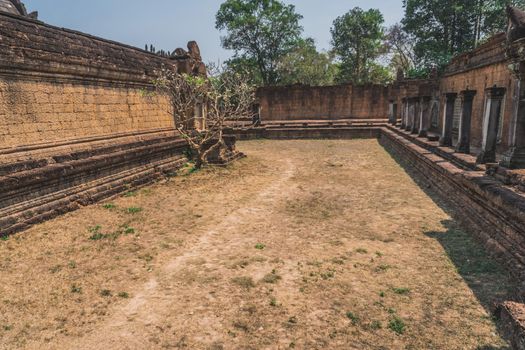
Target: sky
[(168, 24)]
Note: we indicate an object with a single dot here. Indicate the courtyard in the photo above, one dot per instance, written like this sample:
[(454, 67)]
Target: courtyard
[(303, 244)]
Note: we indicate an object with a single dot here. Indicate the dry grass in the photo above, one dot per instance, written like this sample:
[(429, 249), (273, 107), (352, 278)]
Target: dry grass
[(305, 244)]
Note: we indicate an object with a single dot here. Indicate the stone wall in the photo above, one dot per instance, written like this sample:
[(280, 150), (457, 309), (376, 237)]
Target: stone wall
[(58, 84), (301, 102), (484, 68), (79, 120)]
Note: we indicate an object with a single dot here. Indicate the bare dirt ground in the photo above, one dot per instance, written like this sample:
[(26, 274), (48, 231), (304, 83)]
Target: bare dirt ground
[(304, 244)]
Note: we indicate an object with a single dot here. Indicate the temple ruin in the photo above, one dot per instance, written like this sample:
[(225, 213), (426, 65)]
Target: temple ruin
[(78, 124)]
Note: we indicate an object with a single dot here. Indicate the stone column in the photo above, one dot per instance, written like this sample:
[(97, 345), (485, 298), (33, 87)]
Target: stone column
[(424, 116), (404, 113), (415, 117), (446, 135), (491, 125), (391, 112), (463, 145), (409, 116), (514, 158), (394, 114)]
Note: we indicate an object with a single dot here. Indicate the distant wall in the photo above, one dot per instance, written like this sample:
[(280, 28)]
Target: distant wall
[(58, 84), (300, 102)]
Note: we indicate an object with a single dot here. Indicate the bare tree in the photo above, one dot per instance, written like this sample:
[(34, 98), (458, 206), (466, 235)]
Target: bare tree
[(400, 44), (202, 106)]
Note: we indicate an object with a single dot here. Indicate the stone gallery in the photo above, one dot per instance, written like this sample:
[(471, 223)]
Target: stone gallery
[(82, 133)]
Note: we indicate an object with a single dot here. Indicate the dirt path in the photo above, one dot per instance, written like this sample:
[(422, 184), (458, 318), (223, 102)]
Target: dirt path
[(305, 244)]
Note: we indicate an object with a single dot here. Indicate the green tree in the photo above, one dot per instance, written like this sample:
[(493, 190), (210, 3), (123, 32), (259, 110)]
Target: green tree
[(445, 28), (305, 65), (357, 38), (260, 31)]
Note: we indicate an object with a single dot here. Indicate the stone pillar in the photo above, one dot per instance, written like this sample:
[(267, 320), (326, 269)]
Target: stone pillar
[(491, 125), (424, 116), (409, 116), (446, 135), (391, 112), (463, 145), (514, 158), (415, 117), (394, 114), (404, 113)]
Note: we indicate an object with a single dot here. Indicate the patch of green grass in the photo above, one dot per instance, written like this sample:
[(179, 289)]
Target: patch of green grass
[(7, 327), (397, 325), (273, 302), (353, 317), (383, 267), (244, 282), (130, 194), (76, 289), (375, 325), (109, 206), (272, 277), (361, 251), (133, 210), (72, 265), (391, 311), (328, 274), (260, 246), (4, 238), (129, 230), (401, 291), (382, 294), (105, 293), (123, 295)]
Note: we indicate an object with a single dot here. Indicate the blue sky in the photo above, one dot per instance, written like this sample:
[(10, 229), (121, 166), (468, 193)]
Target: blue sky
[(168, 24)]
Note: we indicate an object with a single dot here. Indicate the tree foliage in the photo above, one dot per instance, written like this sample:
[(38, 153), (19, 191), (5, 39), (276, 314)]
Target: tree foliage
[(445, 28), (357, 39), (305, 65), (260, 32)]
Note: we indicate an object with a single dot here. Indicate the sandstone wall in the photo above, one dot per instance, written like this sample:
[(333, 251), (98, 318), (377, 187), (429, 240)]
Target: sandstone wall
[(323, 103), (58, 84), (479, 70)]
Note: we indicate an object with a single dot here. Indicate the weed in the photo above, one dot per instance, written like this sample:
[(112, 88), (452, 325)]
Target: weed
[(76, 289), (260, 246), (375, 325), (338, 261), (379, 254), (129, 230), (391, 311), (401, 291), (272, 277), (7, 327), (361, 251), (4, 238), (245, 282), (56, 268), (328, 275), (397, 325), (383, 267), (109, 206), (352, 317), (72, 265), (241, 326), (133, 210), (105, 293), (273, 302), (123, 295), (130, 194), (382, 294)]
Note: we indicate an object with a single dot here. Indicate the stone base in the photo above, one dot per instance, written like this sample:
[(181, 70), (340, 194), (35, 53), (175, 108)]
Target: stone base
[(512, 316), (514, 159), (486, 157)]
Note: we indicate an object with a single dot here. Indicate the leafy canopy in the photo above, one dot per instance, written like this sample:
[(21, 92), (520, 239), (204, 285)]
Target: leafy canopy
[(357, 38), (259, 31)]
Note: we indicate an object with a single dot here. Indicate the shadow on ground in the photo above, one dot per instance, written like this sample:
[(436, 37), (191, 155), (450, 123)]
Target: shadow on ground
[(490, 282)]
